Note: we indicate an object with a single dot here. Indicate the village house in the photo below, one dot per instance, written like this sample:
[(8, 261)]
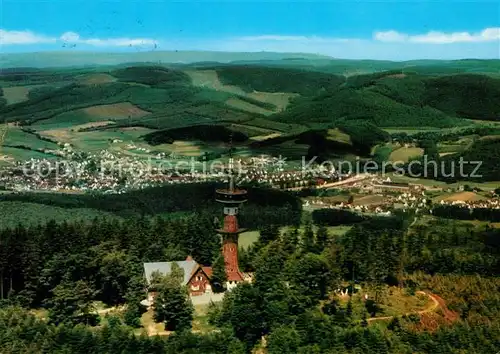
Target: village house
[(196, 277)]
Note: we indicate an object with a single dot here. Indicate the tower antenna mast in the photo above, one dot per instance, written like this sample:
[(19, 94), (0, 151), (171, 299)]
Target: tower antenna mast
[(231, 161), (231, 198)]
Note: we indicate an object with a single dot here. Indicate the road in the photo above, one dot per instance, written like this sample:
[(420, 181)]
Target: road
[(350, 180)]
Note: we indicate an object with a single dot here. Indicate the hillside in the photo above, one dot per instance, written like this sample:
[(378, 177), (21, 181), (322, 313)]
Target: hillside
[(284, 105), (254, 78), (398, 100), (84, 58)]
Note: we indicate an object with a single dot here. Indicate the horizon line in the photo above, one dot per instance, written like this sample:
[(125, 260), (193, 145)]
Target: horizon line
[(173, 51)]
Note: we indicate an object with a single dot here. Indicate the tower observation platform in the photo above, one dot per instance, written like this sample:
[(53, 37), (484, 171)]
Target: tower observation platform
[(231, 199)]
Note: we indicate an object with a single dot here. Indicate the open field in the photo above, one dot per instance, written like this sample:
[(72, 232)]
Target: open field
[(16, 136), (199, 325), (431, 182), (279, 99), (116, 139), (441, 154), (23, 154), (405, 154), (248, 238), (461, 196), (248, 97), (99, 113), (95, 79), (210, 79), (332, 230), (116, 111), (339, 136), (17, 94), (393, 302), (369, 200), (265, 137), (247, 106)]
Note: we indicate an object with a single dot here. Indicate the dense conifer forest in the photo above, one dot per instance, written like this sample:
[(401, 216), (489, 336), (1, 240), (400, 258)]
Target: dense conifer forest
[(64, 267)]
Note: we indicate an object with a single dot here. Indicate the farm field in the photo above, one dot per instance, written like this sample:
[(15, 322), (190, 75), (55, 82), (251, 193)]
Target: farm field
[(404, 154), (433, 183), (95, 79), (20, 154), (339, 136), (285, 111), (369, 200), (247, 106), (461, 196), (16, 94)]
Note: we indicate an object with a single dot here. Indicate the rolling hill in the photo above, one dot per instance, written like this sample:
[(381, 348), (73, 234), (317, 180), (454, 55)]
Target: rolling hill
[(286, 103)]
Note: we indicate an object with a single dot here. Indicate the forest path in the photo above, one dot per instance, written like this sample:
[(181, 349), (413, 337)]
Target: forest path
[(436, 303)]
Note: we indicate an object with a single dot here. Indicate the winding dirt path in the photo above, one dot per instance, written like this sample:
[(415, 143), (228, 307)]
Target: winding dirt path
[(436, 303)]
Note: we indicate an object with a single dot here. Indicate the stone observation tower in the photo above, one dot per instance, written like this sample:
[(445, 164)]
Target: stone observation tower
[(231, 198)]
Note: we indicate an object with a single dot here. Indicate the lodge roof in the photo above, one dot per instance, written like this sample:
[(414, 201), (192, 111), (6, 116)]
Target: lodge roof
[(188, 266)]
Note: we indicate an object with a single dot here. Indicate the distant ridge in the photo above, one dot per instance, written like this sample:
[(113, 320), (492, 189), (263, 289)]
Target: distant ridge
[(84, 58)]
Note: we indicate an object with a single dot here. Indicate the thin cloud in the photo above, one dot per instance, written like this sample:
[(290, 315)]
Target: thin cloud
[(434, 37), (23, 37), (272, 37), (74, 38), (280, 38), (390, 36), (29, 37)]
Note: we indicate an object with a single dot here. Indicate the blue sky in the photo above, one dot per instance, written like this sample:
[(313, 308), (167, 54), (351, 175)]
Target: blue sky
[(388, 29)]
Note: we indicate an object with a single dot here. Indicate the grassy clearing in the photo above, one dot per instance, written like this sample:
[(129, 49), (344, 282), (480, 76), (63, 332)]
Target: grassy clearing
[(16, 94), (210, 79), (124, 110), (98, 139), (369, 200), (199, 325), (150, 325), (279, 99), (95, 79), (433, 183), (200, 320), (66, 120), (116, 111), (490, 137), (332, 230), (248, 238), (289, 149), (247, 106), (275, 126), (186, 148), (405, 154), (339, 136), (461, 196), (393, 301), (450, 148), (441, 154), (15, 136), (265, 137), (479, 223), (23, 154)]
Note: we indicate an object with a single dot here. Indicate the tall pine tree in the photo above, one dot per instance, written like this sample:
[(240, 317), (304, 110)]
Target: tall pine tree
[(219, 276), (172, 305)]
